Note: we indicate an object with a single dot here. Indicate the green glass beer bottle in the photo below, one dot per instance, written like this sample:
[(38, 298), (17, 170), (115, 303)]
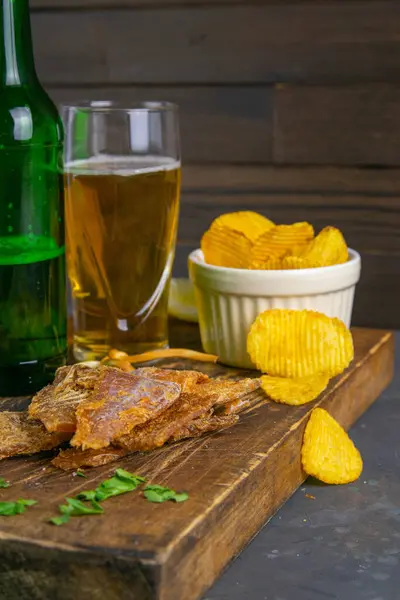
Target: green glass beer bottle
[(32, 245)]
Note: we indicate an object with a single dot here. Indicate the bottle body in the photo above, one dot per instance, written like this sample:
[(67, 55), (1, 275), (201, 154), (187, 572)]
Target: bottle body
[(32, 268), (33, 322)]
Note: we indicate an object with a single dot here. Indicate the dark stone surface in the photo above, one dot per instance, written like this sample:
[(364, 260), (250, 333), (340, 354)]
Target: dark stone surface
[(343, 545)]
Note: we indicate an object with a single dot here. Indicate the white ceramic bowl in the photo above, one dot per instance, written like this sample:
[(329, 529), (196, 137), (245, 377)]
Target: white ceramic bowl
[(229, 300)]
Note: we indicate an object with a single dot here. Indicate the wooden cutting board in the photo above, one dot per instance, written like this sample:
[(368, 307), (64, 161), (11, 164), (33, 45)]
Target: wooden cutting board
[(236, 479)]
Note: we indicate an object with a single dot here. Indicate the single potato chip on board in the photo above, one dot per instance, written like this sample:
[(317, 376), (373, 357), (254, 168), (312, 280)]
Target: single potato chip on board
[(327, 452), (327, 249), (294, 391), (279, 240), (225, 247), (249, 223), (299, 343)]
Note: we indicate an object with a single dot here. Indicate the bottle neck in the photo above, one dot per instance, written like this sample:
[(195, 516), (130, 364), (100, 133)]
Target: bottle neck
[(17, 66)]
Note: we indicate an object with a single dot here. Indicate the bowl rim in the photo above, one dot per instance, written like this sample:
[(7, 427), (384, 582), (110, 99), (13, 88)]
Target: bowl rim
[(197, 257)]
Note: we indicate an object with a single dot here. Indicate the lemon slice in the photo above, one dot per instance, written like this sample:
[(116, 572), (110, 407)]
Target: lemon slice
[(182, 301)]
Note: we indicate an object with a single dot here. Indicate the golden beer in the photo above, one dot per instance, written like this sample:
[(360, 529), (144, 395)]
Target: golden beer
[(122, 218)]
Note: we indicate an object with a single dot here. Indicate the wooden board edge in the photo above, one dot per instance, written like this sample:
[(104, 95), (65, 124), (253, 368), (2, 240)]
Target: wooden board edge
[(194, 563), (42, 571)]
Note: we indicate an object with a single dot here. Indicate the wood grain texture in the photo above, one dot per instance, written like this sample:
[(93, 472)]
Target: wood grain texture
[(354, 125), (218, 123), (163, 552), (326, 42)]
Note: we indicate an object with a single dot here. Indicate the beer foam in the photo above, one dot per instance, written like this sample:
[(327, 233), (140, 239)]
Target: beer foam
[(124, 166)]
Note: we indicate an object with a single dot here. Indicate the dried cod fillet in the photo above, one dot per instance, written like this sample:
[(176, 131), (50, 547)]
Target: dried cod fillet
[(187, 408), (74, 458), (186, 379), (119, 402), (231, 391), (203, 425), (22, 435), (55, 406)]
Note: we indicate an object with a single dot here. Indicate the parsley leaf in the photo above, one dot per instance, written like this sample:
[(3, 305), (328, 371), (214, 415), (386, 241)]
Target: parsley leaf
[(76, 508), (10, 509), (4, 483), (125, 475), (80, 473), (122, 483), (87, 502), (60, 520), (159, 494)]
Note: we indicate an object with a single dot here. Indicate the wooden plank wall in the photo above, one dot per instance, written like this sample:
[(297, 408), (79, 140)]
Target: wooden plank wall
[(291, 108)]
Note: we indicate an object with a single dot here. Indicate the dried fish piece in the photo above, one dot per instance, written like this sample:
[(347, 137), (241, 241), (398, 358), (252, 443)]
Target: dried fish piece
[(229, 391), (190, 406), (206, 424), (119, 402), (186, 379), (75, 458), (21, 435), (55, 406), (235, 406)]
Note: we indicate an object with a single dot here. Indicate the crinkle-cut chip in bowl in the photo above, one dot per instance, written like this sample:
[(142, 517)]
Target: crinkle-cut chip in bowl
[(249, 223), (297, 262), (327, 249), (327, 452), (286, 263), (278, 241), (272, 264), (294, 391), (225, 247), (299, 343)]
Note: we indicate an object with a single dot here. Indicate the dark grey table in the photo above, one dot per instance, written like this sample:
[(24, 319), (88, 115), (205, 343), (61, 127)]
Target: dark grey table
[(343, 545)]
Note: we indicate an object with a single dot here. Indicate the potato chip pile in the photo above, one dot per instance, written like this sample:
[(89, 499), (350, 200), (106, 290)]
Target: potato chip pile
[(300, 351), (247, 240)]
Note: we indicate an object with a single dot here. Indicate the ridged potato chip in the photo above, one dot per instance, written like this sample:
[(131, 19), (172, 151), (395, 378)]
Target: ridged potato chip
[(286, 263), (272, 264), (327, 249), (277, 242), (294, 391), (224, 247), (298, 262), (327, 452), (299, 343), (250, 223)]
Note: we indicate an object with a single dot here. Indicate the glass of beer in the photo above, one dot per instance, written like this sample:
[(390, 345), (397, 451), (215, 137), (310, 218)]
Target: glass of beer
[(122, 193)]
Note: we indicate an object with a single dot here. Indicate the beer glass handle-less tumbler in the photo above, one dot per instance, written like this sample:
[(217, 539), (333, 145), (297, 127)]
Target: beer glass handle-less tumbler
[(122, 192)]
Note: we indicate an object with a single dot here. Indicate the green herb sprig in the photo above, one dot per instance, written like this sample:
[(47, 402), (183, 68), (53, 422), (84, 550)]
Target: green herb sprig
[(3, 483), (76, 508), (122, 482), (160, 494), (10, 509)]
